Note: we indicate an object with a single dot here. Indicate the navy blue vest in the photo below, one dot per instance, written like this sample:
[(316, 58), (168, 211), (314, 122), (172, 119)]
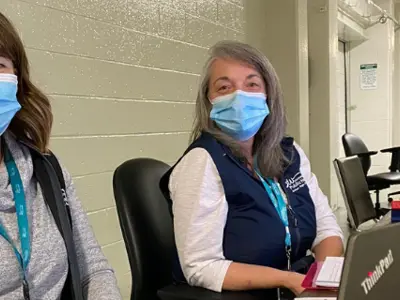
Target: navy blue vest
[(254, 233)]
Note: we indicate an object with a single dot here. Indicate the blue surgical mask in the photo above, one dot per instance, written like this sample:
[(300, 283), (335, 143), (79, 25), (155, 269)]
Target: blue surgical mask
[(9, 104), (240, 114)]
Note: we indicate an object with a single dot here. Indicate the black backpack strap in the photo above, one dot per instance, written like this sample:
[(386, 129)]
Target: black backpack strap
[(50, 177), (57, 168)]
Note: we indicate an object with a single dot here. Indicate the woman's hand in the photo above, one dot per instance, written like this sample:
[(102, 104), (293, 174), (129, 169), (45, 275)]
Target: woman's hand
[(294, 282)]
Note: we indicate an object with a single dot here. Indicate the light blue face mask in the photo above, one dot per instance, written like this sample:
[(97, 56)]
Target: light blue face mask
[(9, 104), (240, 114)]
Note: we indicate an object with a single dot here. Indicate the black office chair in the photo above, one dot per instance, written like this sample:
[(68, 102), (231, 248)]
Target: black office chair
[(354, 187), (147, 229), (353, 145)]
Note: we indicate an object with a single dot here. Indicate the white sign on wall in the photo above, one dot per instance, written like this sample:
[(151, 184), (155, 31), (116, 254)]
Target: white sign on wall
[(368, 76)]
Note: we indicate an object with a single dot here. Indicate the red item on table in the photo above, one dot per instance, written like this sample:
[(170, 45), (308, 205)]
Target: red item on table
[(311, 277), (396, 205)]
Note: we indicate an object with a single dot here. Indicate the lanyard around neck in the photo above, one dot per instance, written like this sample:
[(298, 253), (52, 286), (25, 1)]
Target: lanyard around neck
[(274, 193), (22, 217)]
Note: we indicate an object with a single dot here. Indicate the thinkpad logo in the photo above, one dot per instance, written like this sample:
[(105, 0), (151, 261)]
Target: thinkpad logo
[(295, 183), (380, 270)]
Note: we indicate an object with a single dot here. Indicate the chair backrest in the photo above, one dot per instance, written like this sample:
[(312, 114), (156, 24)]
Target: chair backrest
[(354, 145), (146, 225), (355, 190)]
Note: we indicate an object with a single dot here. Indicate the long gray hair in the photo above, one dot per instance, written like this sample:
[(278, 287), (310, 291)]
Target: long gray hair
[(267, 142)]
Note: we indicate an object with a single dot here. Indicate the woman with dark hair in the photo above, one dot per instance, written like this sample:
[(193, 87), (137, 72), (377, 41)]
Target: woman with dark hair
[(245, 204), (34, 257)]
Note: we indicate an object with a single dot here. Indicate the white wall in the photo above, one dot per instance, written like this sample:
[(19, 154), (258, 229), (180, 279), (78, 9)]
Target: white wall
[(375, 113), (359, 6), (341, 69), (396, 81), (372, 117), (323, 40)]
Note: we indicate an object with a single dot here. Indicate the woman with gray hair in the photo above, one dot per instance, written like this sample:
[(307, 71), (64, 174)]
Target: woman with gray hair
[(245, 204)]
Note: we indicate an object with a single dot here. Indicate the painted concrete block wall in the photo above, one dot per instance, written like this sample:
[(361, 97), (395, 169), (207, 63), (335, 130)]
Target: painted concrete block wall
[(122, 76)]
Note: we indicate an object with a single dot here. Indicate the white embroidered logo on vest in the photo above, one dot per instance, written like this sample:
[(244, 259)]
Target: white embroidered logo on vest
[(295, 183)]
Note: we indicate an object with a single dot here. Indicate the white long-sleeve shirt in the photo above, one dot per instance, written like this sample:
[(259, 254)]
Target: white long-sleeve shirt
[(200, 210)]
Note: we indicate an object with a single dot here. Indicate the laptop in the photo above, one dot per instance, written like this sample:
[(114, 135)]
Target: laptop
[(371, 268)]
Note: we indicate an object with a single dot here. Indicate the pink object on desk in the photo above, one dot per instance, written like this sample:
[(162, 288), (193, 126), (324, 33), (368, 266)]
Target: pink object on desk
[(311, 277)]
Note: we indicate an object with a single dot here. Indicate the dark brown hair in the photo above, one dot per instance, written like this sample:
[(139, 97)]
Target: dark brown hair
[(32, 124)]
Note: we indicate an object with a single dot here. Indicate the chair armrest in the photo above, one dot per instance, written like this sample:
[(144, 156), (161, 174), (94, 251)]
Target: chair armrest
[(395, 160), (391, 150), (186, 292), (366, 154)]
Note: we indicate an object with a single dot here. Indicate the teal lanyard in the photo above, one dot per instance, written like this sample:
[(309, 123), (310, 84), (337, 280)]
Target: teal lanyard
[(22, 218), (274, 193)]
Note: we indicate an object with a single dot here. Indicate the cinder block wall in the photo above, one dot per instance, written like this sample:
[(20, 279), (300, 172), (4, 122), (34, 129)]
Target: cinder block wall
[(122, 76)]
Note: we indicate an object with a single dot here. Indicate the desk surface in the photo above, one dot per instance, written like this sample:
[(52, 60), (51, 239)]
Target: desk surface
[(312, 294)]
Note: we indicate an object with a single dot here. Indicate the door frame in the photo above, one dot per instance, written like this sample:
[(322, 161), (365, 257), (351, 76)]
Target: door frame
[(346, 84)]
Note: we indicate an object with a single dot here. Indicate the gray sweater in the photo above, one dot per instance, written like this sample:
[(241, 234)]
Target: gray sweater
[(48, 265)]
